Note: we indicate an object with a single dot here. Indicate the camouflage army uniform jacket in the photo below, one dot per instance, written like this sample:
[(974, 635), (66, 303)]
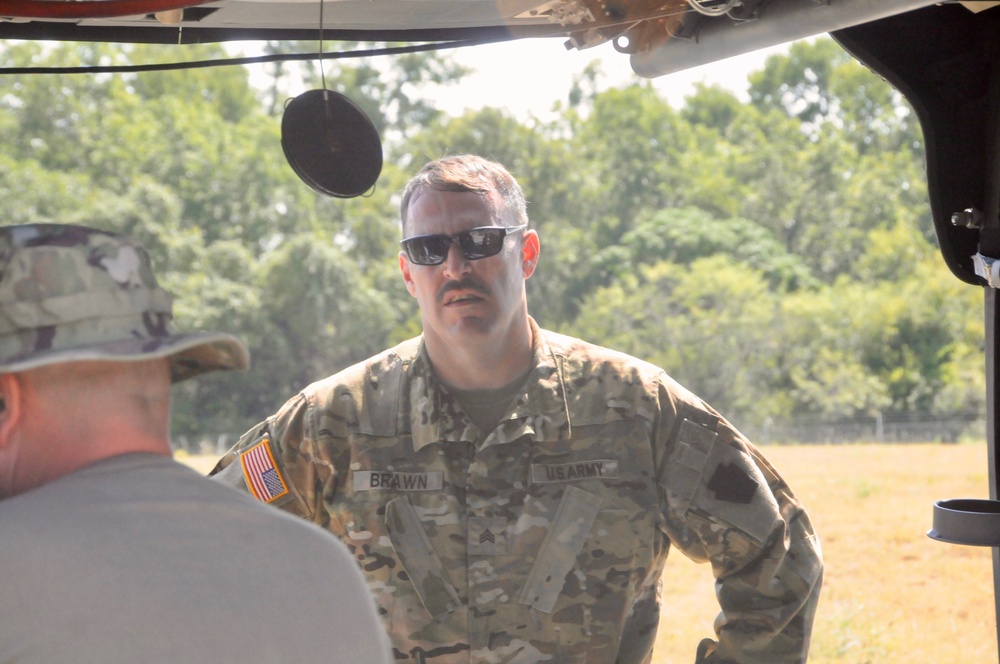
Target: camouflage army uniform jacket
[(543, 540)]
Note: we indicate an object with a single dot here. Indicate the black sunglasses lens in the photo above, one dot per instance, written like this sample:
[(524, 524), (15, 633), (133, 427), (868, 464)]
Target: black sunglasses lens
[(481, 242), (428, 250), (475, 244)]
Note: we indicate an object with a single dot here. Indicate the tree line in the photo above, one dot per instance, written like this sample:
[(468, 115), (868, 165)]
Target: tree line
[(777, 256)]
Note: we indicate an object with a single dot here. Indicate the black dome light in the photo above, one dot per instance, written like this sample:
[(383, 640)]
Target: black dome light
[(331, 144)]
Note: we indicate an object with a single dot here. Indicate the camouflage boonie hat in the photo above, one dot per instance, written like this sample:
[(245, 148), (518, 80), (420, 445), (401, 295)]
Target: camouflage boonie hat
[(71, 293)]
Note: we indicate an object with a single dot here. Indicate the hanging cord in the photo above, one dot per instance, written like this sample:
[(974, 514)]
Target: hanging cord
[(322, 69), (253, 60), (322, 72)]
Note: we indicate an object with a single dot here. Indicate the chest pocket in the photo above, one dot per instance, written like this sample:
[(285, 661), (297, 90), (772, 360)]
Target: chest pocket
[(417, 556), (564, 541)]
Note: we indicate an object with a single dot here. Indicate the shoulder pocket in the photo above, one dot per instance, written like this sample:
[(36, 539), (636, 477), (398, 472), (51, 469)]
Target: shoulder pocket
[(565, 539), (720, 480)]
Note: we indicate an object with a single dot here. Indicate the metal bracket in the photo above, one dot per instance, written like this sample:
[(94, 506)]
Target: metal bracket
[(987, 268)]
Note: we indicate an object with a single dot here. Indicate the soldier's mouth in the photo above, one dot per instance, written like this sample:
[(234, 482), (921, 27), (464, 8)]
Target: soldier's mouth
[(462, 299)]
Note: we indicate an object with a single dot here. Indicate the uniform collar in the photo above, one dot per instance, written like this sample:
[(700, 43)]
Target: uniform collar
[(540, 410)]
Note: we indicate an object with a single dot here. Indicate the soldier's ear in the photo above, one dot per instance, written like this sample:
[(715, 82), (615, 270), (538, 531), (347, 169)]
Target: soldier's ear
[(11, 399), (404, 267), (530, 248)]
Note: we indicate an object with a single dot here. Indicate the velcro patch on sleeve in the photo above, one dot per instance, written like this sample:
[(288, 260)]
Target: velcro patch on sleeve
[(730, 483), (261, 472)]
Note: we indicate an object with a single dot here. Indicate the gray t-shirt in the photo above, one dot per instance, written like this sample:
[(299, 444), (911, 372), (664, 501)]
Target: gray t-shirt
[(139, 559)]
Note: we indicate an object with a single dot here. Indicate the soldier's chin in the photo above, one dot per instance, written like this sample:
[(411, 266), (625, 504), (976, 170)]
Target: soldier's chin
[(474, 325)]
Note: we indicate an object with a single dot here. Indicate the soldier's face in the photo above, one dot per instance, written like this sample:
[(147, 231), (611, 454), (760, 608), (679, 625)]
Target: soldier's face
[(463, 299)]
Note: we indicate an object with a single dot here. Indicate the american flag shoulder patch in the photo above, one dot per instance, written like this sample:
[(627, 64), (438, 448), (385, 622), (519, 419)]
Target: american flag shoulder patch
[(262, 474)]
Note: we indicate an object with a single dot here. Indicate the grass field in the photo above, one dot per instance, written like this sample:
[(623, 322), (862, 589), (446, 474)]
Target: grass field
[(891, 594)]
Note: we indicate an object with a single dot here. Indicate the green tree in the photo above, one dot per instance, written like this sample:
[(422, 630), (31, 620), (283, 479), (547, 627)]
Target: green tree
[(709, 324), (630, 145), (799, 84), (684, 235), (328, 314), (394, 91), (712, 107), (862, 167), (821, 368), (776, 257), (192, 167)]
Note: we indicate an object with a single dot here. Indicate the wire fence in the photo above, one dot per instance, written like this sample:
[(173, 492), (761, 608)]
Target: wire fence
[(879, 428)]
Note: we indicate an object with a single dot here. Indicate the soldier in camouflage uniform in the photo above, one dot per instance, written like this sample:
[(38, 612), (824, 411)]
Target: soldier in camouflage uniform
[(511, 494), (111, 551)]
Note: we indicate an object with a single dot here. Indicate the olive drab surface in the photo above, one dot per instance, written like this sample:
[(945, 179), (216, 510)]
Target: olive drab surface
[(544, 539)]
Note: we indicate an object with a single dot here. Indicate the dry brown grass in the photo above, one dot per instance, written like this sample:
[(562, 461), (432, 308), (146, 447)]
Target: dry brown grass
[(891, 594)]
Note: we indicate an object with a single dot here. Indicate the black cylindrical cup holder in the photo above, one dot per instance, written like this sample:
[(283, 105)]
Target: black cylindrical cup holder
[(971, 521)]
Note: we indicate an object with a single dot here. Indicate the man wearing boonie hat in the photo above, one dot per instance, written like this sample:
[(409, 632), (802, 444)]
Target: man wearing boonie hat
[(110, 551)]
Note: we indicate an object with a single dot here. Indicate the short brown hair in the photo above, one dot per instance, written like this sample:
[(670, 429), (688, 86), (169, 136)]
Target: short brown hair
[(470, 173)]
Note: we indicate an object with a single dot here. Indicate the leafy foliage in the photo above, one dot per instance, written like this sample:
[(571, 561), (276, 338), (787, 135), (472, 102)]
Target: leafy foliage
[(777, 257)]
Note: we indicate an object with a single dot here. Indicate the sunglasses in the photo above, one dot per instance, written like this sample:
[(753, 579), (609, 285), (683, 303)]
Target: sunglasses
[(475, 243)]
